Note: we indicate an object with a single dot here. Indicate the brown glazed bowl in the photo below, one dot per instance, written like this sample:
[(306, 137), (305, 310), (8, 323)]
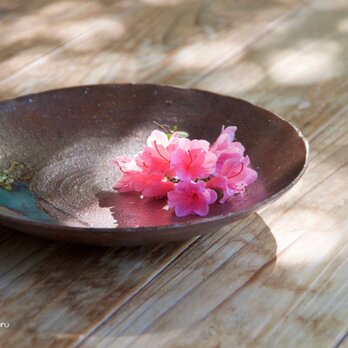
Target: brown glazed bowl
[(56, 150)]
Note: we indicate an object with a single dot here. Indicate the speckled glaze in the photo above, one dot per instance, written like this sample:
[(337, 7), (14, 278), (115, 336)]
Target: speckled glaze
[(69, 137)]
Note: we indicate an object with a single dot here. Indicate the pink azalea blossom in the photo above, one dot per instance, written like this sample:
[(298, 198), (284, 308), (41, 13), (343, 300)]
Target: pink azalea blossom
[(150, 185), (234, 149), (231, 165), (191, 173), (192, 159), (126, 164), (153, 160), (220, 184), (247, 177), (132, 178), (191, 197), (163, 146), (156, 156), (237, 172), (131, 181), (158, 137), (224, 140), (158, 187)]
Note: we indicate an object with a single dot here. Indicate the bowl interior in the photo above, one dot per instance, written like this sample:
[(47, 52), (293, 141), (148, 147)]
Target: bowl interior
[(56, 150)]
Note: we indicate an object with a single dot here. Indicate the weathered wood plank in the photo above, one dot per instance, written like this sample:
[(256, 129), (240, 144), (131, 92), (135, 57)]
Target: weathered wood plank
[(61, 322), (279, 281), (71, 287), (64, 291), (34, 30), (300, 71), (300, 103), (149, 42)]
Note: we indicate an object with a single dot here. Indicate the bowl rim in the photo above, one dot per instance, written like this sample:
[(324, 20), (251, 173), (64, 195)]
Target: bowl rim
[(201, 220)]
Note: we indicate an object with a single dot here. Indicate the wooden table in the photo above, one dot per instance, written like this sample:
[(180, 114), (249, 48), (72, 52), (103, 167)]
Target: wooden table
[(275, 279)]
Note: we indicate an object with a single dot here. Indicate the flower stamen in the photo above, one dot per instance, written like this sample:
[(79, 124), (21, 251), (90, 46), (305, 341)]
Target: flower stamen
[(158, 151), (190, 154), (232, 176), (123, 171)]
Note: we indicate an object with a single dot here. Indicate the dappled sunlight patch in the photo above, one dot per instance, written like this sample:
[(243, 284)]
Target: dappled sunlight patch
[(313, 230), (343, 25), (105, 66), (41, 23), (239, 78), (314, 246), (94, 216), (96, 30), (162, 2), (325, 5), (60, 8), (21, 58), (306, 63), (191, 56)]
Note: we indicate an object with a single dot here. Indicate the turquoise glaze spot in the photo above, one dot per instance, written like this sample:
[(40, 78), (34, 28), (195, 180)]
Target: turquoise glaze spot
[(23, 201)]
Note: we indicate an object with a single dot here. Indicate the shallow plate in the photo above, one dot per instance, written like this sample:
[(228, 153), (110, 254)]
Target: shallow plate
[(56, 150)]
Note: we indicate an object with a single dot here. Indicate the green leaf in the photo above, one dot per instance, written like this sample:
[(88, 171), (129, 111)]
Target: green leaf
[(183, 134)]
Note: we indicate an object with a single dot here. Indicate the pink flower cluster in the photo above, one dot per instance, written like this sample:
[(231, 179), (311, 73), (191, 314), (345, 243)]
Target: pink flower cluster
[(192, 173)]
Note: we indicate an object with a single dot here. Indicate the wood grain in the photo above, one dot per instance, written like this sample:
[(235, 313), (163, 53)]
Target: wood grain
[(300, 71), (146, 41), (274, 279), (61, 290), (154, 316), (256, 290)]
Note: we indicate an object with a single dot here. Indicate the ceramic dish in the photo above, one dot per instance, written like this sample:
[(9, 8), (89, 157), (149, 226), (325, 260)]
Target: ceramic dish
[(56, 150)]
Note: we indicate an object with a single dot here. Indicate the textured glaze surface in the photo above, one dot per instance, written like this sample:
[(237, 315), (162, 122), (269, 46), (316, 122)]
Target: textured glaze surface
[(22, 202), (69, 137)]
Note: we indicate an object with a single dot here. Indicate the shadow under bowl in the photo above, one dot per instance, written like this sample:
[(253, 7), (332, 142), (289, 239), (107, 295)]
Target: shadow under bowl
[(56, 151)]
